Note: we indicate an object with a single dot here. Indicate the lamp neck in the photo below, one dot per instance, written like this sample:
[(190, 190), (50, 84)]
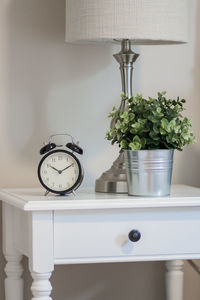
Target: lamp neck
[(126, 57)]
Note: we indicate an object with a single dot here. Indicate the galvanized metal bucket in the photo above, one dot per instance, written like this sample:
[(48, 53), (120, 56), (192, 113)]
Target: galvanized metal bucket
[(149, 172)]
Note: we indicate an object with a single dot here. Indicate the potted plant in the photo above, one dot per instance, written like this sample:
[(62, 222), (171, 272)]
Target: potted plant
[(148, 131)]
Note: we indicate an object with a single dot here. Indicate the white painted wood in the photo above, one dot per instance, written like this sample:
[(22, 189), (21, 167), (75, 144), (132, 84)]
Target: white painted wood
[(34, 199), (117, 259), (93, 228), (41, 256), (174, 280), (41, 287), (14, 285), (21, 237), (100, 234)]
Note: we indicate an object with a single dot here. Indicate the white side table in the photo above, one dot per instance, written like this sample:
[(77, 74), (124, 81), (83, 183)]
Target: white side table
[(97, 228)]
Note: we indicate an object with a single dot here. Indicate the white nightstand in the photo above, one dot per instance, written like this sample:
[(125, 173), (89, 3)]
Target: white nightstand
[(94, 228)]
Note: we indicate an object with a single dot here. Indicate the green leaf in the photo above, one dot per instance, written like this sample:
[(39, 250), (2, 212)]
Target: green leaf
[(155, 128), (118, 124), (162, 131), (158, 109), (164, 123), (135, 146), (136, 139), (124, 144), (131, 116), (154, 136), (124, 115)]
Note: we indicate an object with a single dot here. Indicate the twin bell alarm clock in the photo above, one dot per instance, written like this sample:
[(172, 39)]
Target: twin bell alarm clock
[(60, 170)]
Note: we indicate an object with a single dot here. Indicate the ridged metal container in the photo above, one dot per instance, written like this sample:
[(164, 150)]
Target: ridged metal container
[(149, 172)]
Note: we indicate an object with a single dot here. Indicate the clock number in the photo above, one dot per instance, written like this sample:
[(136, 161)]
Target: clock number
[(60, 186), (60, 157), (53, 159)]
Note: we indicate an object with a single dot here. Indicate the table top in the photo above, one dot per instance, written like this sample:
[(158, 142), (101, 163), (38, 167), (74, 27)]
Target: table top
[(33, 199)]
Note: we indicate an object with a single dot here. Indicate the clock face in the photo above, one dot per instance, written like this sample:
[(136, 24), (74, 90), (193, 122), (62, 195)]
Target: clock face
[(60, 172)]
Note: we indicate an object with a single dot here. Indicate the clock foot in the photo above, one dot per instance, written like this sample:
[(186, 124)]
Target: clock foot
[(74, 193), (46, 193)]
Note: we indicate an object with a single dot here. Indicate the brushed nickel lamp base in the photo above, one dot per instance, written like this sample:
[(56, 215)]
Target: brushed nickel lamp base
[(114, 180)]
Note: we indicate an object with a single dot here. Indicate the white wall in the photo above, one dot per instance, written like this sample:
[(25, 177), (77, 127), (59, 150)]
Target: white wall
[(47, 86)]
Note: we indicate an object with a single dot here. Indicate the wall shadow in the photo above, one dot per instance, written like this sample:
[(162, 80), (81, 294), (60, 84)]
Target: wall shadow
[(189, 168)]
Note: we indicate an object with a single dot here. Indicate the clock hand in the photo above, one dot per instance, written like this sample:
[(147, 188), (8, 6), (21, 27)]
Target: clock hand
[(67, 167), (54, 168)]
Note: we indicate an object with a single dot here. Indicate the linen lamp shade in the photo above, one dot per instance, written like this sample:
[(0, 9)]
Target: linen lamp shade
[(144, 22)]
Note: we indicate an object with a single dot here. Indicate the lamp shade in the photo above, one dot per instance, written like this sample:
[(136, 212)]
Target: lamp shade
[(142, 21)]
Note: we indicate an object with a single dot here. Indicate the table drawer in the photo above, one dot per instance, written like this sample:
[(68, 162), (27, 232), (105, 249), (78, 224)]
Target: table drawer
[(90, 234)]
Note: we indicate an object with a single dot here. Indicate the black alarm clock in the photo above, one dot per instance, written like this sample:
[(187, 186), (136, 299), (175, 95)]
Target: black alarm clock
[(60, 170)]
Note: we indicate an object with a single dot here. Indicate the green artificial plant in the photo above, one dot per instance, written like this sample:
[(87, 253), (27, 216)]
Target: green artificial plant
[(153, 123)]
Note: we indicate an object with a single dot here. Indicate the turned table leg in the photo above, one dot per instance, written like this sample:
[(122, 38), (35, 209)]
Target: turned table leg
[(174, 280), (41, 260), (14, 284), (41, 287)]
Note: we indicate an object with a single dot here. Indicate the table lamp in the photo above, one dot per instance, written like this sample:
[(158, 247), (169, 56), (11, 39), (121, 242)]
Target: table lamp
[(137, 22)]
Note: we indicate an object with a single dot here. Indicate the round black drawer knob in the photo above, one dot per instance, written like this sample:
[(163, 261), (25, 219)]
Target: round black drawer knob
[(134, 235)]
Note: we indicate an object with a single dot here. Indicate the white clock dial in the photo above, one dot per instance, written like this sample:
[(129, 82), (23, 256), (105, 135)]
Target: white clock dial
[(59, 171)]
